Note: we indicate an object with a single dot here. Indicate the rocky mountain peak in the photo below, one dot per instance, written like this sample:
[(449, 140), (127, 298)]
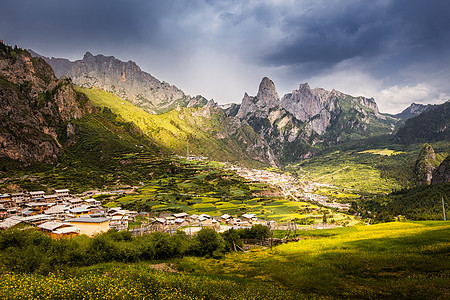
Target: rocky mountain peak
[(267, 93), (125, 79), (88, 55), (304, 87)]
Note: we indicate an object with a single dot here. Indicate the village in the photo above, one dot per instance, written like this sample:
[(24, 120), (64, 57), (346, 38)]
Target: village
[(289, 185), (63, 215)]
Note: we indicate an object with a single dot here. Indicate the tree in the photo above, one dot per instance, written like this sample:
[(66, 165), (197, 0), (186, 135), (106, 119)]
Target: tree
[(207, 242)]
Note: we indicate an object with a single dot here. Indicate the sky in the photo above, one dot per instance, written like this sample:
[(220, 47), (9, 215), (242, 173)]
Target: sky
[(396, 51)]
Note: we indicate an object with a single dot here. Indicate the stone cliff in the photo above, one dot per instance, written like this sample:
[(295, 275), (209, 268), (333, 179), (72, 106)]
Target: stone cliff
[(442, 173), (126, 80), (36, 108), (306, 117), (425, 164)]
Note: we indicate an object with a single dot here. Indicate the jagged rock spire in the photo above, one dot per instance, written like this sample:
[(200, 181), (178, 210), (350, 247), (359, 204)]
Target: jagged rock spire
[(267, 93)]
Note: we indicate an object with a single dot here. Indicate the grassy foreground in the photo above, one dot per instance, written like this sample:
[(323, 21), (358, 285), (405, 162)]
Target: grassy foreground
[(391, 260)]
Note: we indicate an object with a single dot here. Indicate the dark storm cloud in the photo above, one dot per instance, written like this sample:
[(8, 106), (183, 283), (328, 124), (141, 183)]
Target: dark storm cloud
[(338, 31), (80, 23), (382, 48)]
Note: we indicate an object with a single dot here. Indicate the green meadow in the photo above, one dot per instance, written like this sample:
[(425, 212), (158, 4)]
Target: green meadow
[(399, 260)]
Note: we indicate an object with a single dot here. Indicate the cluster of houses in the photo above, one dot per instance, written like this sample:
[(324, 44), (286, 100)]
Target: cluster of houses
[(204, 220), (60, 214), (63, 215)]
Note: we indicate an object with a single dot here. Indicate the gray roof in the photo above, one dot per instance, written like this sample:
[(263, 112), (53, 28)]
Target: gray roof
[(79, 210), (51, 225), (66, 229), (88, 220), (9, 222)]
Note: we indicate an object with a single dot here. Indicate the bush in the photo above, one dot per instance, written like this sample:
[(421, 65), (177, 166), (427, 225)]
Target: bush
[(208, 242)]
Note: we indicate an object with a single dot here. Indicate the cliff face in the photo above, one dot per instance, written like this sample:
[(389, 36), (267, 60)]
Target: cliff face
[(442, 173), (305, 117), (36, 108), (126, 80), (425, 164)]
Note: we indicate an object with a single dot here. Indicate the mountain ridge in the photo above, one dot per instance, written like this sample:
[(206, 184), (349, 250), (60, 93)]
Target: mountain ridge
[(125, 79)]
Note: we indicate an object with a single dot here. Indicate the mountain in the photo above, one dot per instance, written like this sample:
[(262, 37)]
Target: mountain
[(207, 129), (36, 108), (431, 125), (126, 80), (411, 111), (305, 118)]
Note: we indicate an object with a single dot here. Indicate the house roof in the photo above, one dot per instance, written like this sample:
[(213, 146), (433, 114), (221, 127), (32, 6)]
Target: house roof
[(79, 210), (97, 215), (52, 225), (9, 222), (88, 220), (225, 216), (74, 200), (37, 193), (67, 229), (36, 218), (62, 191), (181, 215), (160, 220), (249, 216)]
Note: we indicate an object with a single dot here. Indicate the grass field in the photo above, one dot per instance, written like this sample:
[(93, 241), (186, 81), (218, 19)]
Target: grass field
[(401, 260), (392, 260)]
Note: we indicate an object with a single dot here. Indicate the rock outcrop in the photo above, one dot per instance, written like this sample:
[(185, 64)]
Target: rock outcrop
[(306, 117), (126, 80), (442, 173), (425, 164), (36, 108)]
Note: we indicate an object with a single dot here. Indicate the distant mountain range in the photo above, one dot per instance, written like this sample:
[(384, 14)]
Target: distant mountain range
[(264, 128)]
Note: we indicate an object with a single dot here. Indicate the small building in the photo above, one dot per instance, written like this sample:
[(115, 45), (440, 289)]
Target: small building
[(62, 194), (38, 206), (75, 202), (10, 222), (181, 222), (80, 211), (50, 198), (17, 198), (58, 229), (92, 203), (248, 217), (37, 194), (183, 215), (91, 226), (57, 211)]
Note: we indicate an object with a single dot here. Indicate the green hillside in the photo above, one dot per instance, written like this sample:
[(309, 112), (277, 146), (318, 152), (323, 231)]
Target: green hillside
[(209, 132)]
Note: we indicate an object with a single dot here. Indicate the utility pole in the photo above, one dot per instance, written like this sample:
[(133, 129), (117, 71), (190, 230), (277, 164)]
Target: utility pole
[(443, 208)]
